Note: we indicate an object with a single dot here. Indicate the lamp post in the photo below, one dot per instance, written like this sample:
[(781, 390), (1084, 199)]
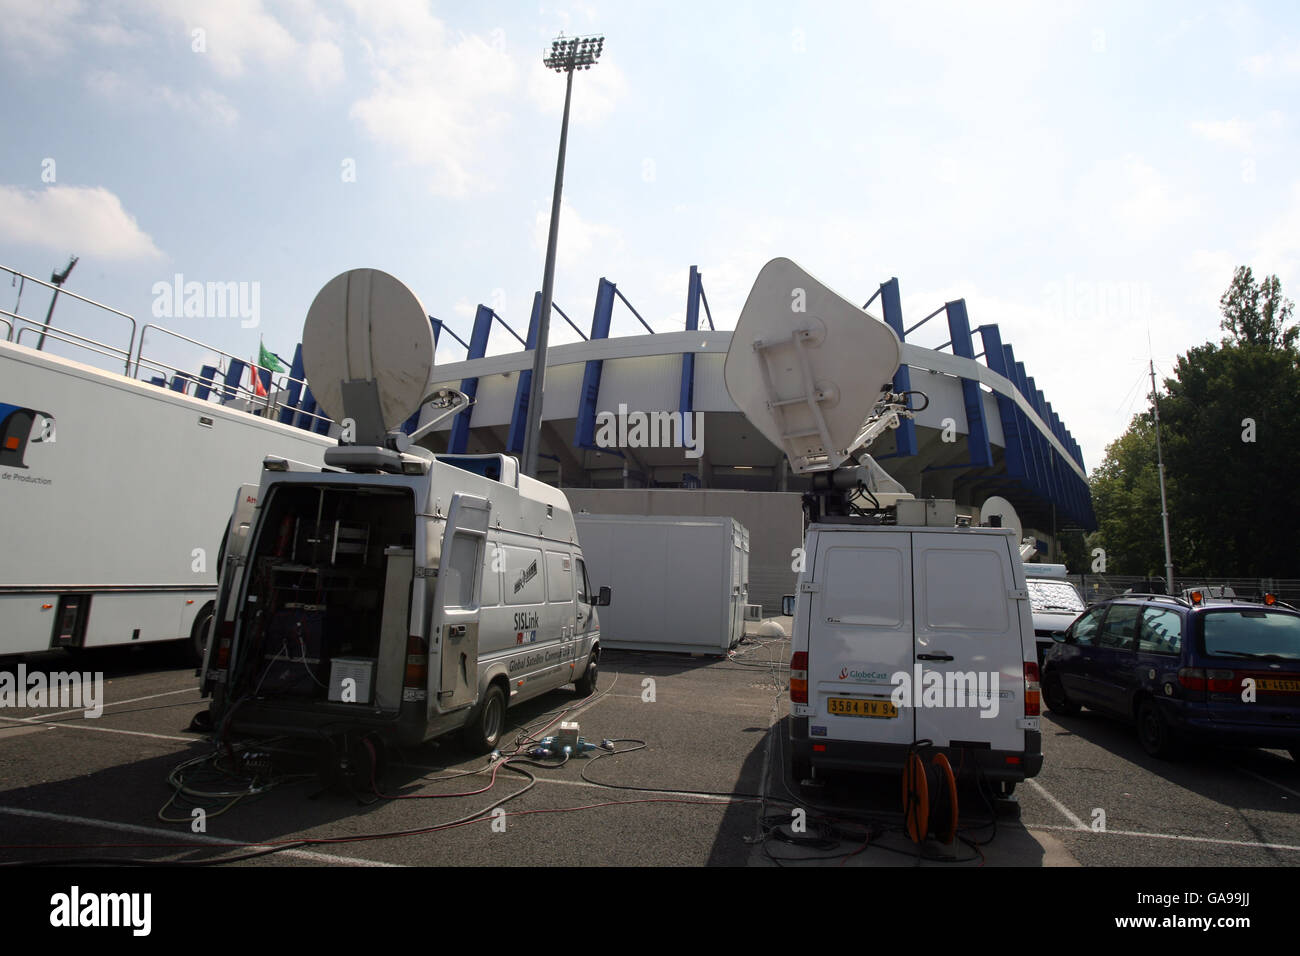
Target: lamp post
[(566, 56)]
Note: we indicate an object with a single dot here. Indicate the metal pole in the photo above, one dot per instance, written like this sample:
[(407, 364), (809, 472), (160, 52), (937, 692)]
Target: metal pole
[(533, 437), (1160, 459), (58, 279)]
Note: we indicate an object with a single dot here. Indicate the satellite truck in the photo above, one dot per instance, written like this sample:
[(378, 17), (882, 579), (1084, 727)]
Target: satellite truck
[(912, 643), (394, 595)]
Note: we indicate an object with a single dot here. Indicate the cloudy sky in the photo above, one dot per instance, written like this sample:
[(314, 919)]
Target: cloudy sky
[(1085, 175)]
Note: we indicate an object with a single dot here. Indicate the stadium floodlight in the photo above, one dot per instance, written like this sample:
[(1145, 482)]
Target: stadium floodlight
[(567, 54)]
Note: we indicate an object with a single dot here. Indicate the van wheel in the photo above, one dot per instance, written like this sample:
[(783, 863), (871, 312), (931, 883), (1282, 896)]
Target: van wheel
[(1154, 732), (586, 684), (483, 732), (200, 631), (1057, 701)]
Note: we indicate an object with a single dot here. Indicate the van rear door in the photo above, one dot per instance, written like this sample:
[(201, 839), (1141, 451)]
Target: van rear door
[(860, 635), (456, 600), (971, 620)]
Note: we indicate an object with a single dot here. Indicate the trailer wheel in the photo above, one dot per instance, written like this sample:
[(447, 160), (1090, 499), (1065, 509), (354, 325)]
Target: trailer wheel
[(483, 732), (200, 631), (586, 684)]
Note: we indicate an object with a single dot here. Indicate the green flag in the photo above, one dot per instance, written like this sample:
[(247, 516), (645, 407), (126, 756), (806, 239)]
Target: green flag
[(267, 359)]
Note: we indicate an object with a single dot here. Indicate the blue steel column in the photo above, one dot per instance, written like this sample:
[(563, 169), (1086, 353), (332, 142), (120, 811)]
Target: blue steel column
[(234, 375), (1049, 453), (1013, 438), (977, 432), (519, 416), (290, 409), (478, 342), (584, 435), (686, 403), (1026, 430), (890, 302)]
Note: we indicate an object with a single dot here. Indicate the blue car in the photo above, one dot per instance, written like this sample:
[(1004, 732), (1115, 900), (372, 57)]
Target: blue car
[(1218, 670)]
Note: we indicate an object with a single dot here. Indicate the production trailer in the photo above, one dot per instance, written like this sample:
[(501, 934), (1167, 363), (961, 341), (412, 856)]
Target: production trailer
[(682, 581), (115, 495)]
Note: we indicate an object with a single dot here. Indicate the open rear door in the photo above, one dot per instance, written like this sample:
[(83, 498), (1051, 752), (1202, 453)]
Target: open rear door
[(456, 600)]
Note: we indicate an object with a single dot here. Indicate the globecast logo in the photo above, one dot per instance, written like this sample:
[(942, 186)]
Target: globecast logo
[(847, 673), (18, 427)]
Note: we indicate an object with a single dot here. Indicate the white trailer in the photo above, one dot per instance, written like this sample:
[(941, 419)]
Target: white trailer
[(682, 581), (114, 498)]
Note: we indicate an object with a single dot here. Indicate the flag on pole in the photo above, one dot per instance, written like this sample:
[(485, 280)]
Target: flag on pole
[(268, 359), (258, 388)]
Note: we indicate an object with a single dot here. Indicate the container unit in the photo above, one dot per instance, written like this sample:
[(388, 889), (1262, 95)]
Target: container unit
[(681, 581)]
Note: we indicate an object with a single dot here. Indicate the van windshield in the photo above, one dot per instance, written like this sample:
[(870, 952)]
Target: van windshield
[(1054, 596), (1252, 633)]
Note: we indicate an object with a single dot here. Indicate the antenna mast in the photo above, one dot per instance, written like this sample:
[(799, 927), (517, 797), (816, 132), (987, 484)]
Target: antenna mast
[(1160, 461)]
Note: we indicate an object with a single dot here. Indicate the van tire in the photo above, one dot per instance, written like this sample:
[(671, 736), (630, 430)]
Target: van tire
[(200, 632), (483, 733), (1154, 733), (586, 684), (1058, 702)]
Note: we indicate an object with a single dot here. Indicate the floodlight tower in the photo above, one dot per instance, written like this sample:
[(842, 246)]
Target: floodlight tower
[(567, 55)]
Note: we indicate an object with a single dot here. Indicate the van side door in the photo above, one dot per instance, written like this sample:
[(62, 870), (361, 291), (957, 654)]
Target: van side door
[(455, 621)]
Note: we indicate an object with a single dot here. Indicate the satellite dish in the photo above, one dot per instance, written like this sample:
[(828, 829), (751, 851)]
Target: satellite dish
[(806, 366), (367, 349), (998, 512)]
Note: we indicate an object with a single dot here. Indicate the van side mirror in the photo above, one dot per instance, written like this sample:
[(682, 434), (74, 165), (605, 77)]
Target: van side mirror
[(787, 605), (602, 599)]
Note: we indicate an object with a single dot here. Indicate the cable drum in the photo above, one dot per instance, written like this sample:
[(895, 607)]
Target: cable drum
[(929, 797)]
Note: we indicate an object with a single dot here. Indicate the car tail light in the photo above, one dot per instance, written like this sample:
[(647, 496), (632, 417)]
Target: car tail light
[(417, 664), (1032, 703), (799, 677), (1214, 681)]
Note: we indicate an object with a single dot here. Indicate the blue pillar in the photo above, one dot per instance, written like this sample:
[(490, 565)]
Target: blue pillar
[(686, 402), (234, 375), (289, 410), (1012, 436), (519, 417), (977, 432), (207, 375), (478, 341), (890, 302), (584, 435)]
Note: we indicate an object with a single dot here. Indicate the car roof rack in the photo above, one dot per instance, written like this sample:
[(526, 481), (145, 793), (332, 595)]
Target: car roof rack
[(1147, 595)]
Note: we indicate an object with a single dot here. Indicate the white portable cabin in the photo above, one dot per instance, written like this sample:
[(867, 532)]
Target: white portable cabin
[(682, 581)]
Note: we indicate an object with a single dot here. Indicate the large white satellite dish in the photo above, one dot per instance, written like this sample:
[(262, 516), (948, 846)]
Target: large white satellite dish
[(367, 349), (806, 366)]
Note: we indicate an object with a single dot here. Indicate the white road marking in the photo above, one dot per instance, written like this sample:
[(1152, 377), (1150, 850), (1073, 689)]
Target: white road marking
[(1065, 811), (107, 704), (103, 730), (180, 837), (1168, 836)]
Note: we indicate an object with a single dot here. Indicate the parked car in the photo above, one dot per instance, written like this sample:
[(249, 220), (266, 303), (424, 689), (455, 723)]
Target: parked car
[(1054, 602), (1218, 670)]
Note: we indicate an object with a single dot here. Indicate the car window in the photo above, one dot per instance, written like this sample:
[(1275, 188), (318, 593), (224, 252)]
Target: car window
[(1252, 633), (1084, 630), (1161, 631), (1045, 595), (1120, 629)]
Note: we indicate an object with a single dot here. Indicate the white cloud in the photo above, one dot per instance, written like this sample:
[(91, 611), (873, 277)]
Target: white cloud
[(205, 105), (1127, 200), (579, 239), (36, 32), (86, 220), (1273, 63), (1238, 133), (438, 101)]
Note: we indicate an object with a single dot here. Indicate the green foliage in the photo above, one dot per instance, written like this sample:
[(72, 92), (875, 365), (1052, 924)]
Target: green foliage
[(1231, 441)]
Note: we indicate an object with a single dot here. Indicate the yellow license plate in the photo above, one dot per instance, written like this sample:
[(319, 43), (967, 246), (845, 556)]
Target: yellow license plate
[(851, 707), (1290, 686)]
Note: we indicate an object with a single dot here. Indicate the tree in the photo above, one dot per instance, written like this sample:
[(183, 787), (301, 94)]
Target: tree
[(1231, 433), (1256, 314)]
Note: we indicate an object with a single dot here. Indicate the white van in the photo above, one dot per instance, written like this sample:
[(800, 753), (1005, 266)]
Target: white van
[(406, 604), (907, 633)]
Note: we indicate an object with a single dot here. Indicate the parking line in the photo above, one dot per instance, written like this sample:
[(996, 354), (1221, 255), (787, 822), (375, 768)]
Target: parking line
[(1065, 811), (116, 703), (189, 837), (1169, 836), (102, 730)]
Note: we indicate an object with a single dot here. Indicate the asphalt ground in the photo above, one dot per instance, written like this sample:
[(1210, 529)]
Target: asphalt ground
[(710, 787)]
